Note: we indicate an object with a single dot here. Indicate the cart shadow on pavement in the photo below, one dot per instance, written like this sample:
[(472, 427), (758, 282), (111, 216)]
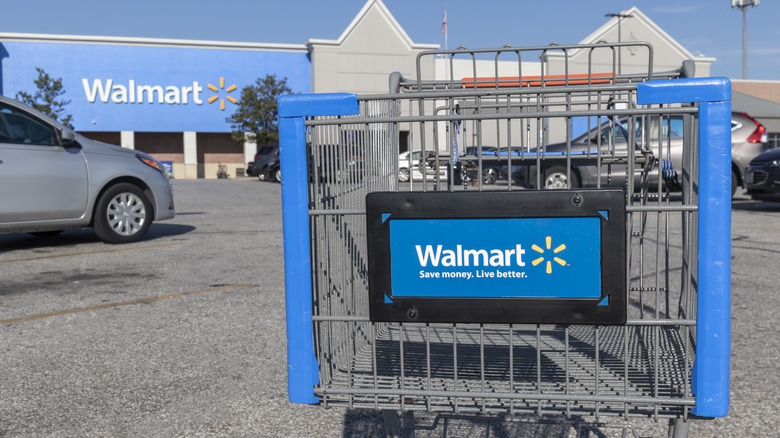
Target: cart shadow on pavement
[(370, 423)]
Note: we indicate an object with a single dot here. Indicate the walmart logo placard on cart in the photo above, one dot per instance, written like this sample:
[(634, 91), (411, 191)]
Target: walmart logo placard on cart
[(496, 258)]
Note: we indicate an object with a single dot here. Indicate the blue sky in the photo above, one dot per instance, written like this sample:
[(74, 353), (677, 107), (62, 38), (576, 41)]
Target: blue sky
[(709, 27)]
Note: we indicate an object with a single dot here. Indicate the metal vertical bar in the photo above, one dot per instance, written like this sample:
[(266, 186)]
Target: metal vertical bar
[(509, 145), (302, 368), (597, 367), (566, 369), (667, 269), (710, 375), (540, 147), (626, 355), (455, 363), (374, 364), (632, 151), (667, 218), (569, 169), (713, 332), (301, 364), (658, 236), (482, 363), (402, 381), (411, 141), (428, 385), (352, 342), (539, 368), (511, 369), (686, 357), (743, 6), (656, 335)]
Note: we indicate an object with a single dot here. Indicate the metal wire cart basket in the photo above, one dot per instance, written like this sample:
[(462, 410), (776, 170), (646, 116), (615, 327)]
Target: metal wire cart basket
[(555, 245)]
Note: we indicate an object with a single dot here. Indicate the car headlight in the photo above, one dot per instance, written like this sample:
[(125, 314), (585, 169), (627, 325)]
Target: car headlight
[(151, 162), (775, 163)]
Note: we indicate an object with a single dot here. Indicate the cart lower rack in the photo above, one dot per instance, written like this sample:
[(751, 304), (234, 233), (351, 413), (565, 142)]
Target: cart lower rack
[(644, 334)]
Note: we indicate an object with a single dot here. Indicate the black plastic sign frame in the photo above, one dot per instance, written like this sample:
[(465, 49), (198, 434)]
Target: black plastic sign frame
[(548, 257)]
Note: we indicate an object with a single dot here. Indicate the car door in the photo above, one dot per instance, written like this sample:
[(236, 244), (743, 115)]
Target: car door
[(39, 178), (665, 137), (670, 144), (614, 150)]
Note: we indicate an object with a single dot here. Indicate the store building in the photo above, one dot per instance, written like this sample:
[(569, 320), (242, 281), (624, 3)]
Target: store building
[(168, 98), (171, 98)]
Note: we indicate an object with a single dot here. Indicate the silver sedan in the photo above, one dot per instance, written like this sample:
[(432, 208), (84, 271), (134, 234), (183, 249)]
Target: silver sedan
[(52, 179)]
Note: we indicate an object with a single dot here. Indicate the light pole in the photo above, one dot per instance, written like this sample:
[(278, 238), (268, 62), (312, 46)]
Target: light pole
[(743, 4), (620, 17)]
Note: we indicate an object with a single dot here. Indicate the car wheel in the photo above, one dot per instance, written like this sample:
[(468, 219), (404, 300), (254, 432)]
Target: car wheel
[(733, 183), (403, 175), (558, 178), (278, 175), (261, 176), (489, 175), (123, 214)]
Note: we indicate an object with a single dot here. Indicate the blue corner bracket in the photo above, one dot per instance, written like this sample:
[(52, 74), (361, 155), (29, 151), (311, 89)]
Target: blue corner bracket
[(710, 375), (302, 368)]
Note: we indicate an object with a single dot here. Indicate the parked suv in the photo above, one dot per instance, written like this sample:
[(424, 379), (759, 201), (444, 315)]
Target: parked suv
[(748, 140), (250, 167), (762, 178), (267, 164), (52, 179)]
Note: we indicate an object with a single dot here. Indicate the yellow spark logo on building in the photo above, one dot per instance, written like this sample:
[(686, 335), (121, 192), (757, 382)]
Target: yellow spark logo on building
[(555, 251), (213, 99)]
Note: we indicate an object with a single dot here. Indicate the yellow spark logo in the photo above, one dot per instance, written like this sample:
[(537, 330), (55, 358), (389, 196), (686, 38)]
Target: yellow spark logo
[(213, 99), (555, 251)]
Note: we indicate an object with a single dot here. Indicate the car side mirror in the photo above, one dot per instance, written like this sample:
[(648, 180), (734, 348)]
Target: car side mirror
[(68, 138)]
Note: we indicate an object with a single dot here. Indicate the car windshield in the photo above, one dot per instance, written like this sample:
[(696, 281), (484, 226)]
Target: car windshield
[(670, 127), (613, 132)]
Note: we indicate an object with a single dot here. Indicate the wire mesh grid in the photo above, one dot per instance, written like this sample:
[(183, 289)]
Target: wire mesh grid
[(640, 369)]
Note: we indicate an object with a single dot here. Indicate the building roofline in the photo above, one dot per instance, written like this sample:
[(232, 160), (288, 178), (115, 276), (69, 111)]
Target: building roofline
[(149, 42), (757, 107), (394, 25), (612, 23), (760, 81)]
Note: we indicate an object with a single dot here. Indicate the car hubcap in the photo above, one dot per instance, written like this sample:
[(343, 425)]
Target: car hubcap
[(489, 176), (126, 214), (557, 181)]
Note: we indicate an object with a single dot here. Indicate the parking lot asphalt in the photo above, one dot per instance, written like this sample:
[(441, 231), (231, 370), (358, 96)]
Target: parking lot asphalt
[(182, 333)]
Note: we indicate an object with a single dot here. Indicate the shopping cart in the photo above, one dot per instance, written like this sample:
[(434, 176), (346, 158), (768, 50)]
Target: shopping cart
[(641, 331)]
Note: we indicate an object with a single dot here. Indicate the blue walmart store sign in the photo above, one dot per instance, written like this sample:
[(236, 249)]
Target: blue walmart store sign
[(487, 258), (140, 88)]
